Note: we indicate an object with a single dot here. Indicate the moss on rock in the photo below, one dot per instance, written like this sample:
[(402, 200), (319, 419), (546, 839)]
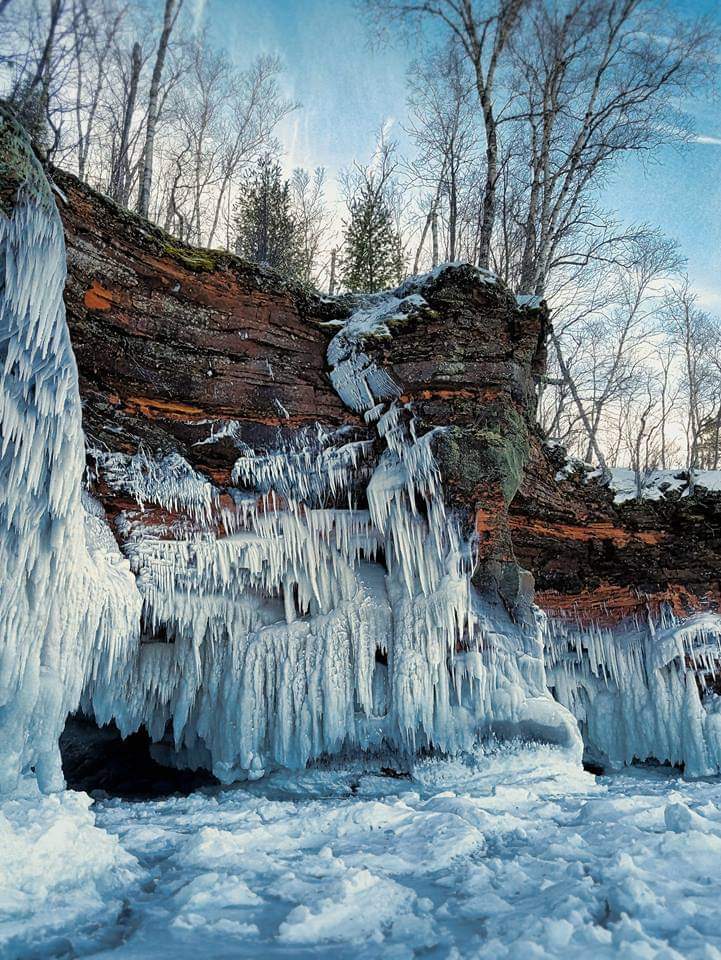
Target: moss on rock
[(490, 449), (203, 261)]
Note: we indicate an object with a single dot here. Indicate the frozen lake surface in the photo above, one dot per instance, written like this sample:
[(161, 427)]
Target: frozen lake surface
[(512, 853)]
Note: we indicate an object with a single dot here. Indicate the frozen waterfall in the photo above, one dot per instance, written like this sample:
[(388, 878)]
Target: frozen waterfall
[(69, 606)]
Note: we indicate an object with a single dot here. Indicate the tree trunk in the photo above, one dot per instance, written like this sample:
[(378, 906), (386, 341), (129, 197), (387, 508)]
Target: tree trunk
[(579, 405), (489, 190), (434, 239), (146, 169), (331, 283), (120, 175)]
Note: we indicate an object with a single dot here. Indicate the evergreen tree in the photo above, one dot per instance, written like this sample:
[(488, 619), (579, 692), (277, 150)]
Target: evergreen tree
[(372, 256), (266, 229)]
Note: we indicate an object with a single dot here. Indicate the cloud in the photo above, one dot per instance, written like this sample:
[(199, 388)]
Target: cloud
[(709, 297), (706, 138), (197, 13)]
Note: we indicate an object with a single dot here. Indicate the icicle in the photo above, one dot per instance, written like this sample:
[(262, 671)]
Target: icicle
[(69, 606)]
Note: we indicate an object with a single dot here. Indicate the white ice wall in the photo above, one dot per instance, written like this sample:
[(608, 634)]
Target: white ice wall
[(643, 690), (68, 602)]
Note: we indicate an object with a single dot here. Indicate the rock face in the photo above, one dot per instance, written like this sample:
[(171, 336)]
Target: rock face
[(598, 561), (170, 341), (173, 344)]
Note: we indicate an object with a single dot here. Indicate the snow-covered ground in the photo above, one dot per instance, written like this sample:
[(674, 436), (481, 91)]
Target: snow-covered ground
[(655, 484), (660, 483), (511, 853)]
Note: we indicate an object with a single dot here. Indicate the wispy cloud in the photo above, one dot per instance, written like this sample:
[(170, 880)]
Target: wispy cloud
[(709, 297), (706, 138), (198, 9)]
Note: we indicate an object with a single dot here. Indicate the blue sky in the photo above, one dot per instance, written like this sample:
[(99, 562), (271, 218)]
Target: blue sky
[(348, 89)]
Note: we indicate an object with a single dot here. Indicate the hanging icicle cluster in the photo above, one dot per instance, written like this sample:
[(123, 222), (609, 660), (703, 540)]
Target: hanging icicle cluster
[(69, 605), (646, 690)]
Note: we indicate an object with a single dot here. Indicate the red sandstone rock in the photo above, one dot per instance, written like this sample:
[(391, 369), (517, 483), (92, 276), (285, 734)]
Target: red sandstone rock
[(172, 342)]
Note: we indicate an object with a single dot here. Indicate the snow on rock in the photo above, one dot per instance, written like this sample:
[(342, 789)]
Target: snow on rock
[(644, 691), (169, 482), (652, 484), (69, 606)]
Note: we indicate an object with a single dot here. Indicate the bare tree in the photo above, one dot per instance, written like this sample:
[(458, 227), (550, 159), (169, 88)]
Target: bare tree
[(483, 30), (120, 181), (442, 124), (256, 107), (599, 81), (95, 32), (311, 217), (607, 334), (696, 335), (170, 16)]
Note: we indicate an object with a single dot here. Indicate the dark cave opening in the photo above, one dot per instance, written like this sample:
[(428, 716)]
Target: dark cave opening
[(100, 762)]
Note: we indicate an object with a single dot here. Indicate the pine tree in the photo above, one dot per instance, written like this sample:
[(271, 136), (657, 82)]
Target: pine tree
[(372, 257), (266, 229)]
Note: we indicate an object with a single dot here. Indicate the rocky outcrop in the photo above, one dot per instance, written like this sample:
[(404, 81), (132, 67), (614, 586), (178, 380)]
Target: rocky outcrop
[(173, 344), (596, 560)]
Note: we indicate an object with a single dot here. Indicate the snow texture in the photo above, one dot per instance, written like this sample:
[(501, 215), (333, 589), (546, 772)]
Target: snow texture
[(654, 484), (510, 853), (62, 878), (657, 484)]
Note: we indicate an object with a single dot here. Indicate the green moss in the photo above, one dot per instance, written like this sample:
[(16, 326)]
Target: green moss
[(202, 261), (492, 448)]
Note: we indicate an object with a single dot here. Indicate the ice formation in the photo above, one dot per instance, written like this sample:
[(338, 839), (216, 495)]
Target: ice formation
[(324, 606), (68, 601), (649, 690), (335, 610), (310, 628), (329, 607)]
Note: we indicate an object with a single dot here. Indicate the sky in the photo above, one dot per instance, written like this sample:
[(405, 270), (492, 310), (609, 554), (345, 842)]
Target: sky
[(348, 87)]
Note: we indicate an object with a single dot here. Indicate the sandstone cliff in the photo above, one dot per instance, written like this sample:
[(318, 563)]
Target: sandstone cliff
[(173, 344)]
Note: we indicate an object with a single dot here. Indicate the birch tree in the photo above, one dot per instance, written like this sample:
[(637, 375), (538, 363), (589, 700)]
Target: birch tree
[(484, 30), (170, 16)]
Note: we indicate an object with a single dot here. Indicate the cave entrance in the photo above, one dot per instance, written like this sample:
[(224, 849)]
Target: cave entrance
[(99, 761)]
